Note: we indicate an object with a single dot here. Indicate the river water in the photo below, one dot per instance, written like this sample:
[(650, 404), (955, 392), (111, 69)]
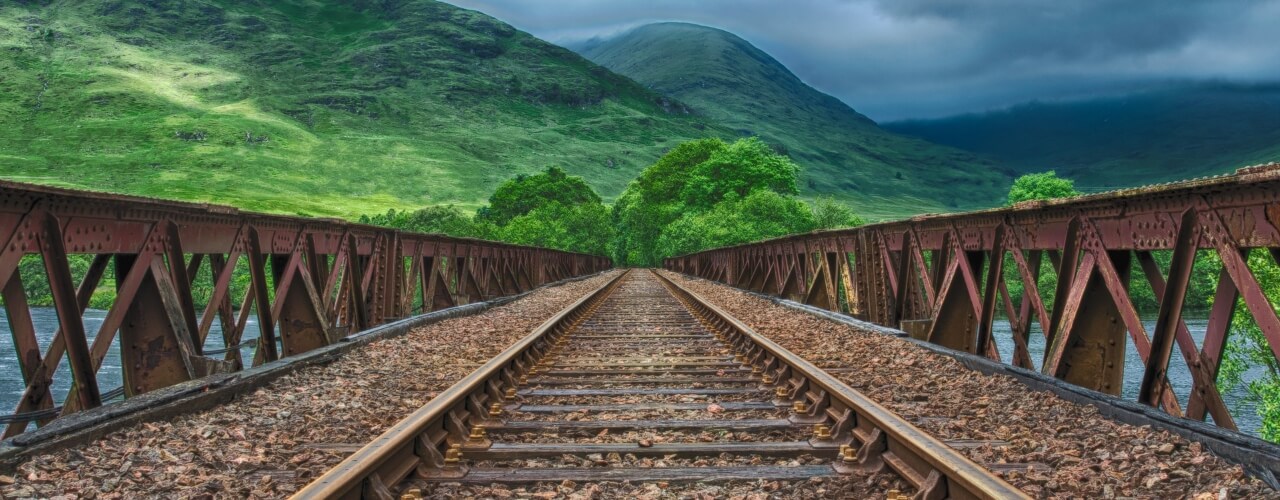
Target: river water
[(109, 375), (1244, 411)]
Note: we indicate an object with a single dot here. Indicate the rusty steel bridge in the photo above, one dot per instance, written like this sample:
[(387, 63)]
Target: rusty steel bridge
[(313, 282), (942, 278), (316, 287)]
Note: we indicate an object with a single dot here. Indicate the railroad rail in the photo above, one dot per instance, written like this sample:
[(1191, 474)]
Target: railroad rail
[(312, 282), (945, 278), (642, 346)]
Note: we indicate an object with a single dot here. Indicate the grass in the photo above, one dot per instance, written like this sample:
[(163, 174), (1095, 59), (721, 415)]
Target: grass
[(881, 174), (310, 107)]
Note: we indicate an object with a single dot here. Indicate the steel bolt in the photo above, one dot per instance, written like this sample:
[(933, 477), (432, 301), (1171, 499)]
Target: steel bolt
[(453, 455), (800, 407), (848, 454)]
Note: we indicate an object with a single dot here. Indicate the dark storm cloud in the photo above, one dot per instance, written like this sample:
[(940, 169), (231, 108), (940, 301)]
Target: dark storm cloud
[(893, 59)]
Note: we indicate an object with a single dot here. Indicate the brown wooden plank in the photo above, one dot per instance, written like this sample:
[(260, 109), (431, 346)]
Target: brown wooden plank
[(726, 406), (678, 381), (520, 451), (667, 474), (633, 392), (745, 425)]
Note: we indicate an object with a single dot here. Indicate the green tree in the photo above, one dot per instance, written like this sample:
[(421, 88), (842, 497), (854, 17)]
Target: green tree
[(585, 228), (831, 214), (550, 210), (652, 201), (438, 219), (762, 214), (692, 180), (1041, 186), (524, 193), (1247, 348), (742, 168)]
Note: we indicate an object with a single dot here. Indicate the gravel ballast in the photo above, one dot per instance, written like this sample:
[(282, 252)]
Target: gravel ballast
[(271, 441), (1079, 453)]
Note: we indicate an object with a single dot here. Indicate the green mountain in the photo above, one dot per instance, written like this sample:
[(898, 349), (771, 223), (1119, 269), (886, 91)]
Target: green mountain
[(1143, 138), (313, 106), (842, 152)]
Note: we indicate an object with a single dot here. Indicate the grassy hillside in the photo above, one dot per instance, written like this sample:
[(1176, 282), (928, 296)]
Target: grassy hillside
[(310, 106), (1138, 139), (842, 152)]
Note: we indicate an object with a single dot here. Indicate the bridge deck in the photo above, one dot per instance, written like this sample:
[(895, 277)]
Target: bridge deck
[(1077, 451), (274, 440)]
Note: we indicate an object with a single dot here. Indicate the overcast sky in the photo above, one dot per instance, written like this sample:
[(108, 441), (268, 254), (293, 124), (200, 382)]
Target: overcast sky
[(893, 59)]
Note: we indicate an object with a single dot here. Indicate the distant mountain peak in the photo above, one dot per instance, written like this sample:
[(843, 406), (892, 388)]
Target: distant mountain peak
[(844, 153)]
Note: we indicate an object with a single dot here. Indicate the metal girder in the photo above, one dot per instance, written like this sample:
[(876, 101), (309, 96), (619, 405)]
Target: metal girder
[(949, 276), (312, 282)]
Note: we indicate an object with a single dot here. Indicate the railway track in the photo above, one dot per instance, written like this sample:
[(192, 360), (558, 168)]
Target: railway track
[(642, 381)]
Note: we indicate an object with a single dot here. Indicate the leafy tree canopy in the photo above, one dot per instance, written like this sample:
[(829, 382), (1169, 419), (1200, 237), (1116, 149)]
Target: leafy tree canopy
[(742, 168), (762, 214), (831, 214), (693, 179), (438, 219), (525, 193), (701, 194), (1041, 186), (584, 228), (556, 211)]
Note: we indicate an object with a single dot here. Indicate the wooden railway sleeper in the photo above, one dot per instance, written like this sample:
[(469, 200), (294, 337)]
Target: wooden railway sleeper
[(843, 421), (841, 425)]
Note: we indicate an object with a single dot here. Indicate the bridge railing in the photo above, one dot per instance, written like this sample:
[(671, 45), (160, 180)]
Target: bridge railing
[(311, 282), (945, 278)]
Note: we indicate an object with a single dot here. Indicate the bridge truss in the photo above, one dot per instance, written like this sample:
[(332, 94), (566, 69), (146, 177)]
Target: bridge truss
[(311, 283), (945, 278)]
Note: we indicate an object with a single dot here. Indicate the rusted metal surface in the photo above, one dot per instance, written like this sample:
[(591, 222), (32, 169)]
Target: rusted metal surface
[(312, 282), (943, 276), (489, 427)]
